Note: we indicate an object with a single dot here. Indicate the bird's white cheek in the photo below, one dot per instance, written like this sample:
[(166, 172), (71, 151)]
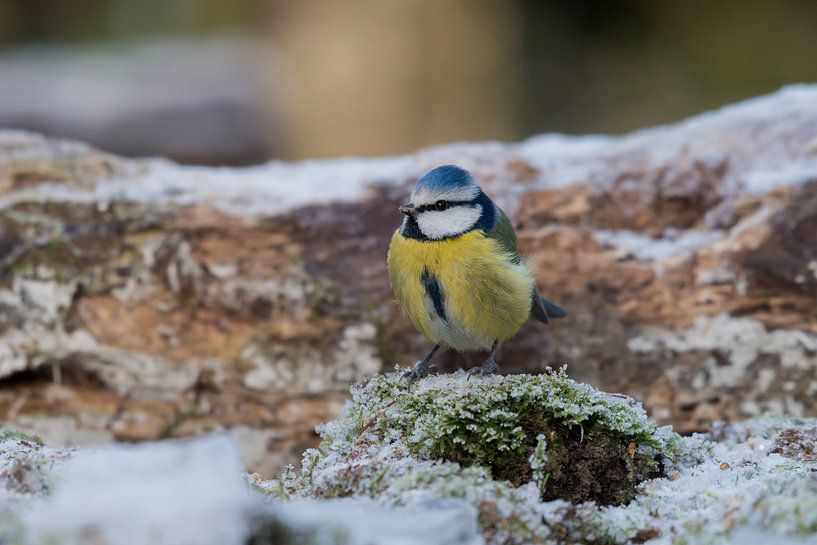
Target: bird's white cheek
[(454, 221)]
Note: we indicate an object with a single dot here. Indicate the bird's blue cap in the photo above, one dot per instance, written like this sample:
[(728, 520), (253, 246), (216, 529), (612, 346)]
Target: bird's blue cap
[(445, 177)]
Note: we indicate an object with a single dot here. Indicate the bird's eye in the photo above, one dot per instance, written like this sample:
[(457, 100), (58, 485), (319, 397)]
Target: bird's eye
[(440, 205)]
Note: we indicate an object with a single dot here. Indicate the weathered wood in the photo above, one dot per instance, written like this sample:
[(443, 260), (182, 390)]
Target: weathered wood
[(175, 299)]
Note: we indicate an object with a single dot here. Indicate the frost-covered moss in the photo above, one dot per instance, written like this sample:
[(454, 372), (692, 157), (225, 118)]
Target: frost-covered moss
[(8, 434), (25, 464), (586, 445), (754, 482), (736, 489), (26, 472), (501, 443)]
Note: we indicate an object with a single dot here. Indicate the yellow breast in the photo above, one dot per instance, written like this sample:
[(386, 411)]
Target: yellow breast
[(486, 296)]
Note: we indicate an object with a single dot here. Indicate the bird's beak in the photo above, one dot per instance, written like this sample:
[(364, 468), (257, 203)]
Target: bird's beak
[(408, 209)]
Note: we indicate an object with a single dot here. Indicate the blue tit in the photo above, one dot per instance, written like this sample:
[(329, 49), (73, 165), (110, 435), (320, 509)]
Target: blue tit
[(455, 270)]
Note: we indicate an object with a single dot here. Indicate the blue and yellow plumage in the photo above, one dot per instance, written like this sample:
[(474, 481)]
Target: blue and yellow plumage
[(456, 272)]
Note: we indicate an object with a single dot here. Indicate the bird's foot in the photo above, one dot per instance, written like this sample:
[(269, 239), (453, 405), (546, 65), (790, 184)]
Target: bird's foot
[(489, 367), (423, 368)]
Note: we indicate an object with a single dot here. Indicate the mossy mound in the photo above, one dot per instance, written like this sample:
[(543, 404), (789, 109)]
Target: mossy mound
[(505, 446), (574, 442), (502, 443)]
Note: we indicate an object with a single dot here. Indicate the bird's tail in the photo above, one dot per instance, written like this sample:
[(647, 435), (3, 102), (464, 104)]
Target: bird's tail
[(553, 311), (543, 310)]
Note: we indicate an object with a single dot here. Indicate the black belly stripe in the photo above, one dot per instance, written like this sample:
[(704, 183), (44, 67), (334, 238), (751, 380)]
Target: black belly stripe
[(434, 291)]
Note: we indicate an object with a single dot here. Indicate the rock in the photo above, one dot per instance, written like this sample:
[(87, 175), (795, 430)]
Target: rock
[(143, 299)]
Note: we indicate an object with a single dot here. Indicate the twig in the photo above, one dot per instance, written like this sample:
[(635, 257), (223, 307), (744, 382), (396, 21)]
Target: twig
[(372, 419)]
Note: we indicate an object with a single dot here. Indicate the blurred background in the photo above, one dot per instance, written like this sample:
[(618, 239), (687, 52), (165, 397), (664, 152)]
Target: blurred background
[(242, 81)]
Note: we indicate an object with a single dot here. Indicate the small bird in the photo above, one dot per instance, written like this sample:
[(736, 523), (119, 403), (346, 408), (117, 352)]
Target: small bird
[(455, 270)]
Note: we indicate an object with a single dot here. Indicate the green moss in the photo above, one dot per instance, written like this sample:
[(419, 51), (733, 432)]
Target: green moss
[(57, 254), (584, 445), (7, 434), (322, 297)]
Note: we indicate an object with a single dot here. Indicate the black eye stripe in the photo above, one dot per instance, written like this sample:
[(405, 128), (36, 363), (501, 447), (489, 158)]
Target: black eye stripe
[(433, 206)]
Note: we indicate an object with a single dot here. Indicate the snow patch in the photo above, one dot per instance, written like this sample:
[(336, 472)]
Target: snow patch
[(261, 190), (364, 522), (772, 157), (674, 243), (154, 494)]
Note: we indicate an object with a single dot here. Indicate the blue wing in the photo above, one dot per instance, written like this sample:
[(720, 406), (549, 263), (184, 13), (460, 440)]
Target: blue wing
[(503, 232)]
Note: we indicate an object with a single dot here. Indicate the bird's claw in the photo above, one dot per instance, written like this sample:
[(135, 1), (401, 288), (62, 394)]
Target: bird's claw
[(420, 370), (488, 368), (410, 376)]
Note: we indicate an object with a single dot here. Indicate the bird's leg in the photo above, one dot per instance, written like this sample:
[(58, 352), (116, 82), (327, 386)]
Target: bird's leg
[(488, 367), (423, 367)]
